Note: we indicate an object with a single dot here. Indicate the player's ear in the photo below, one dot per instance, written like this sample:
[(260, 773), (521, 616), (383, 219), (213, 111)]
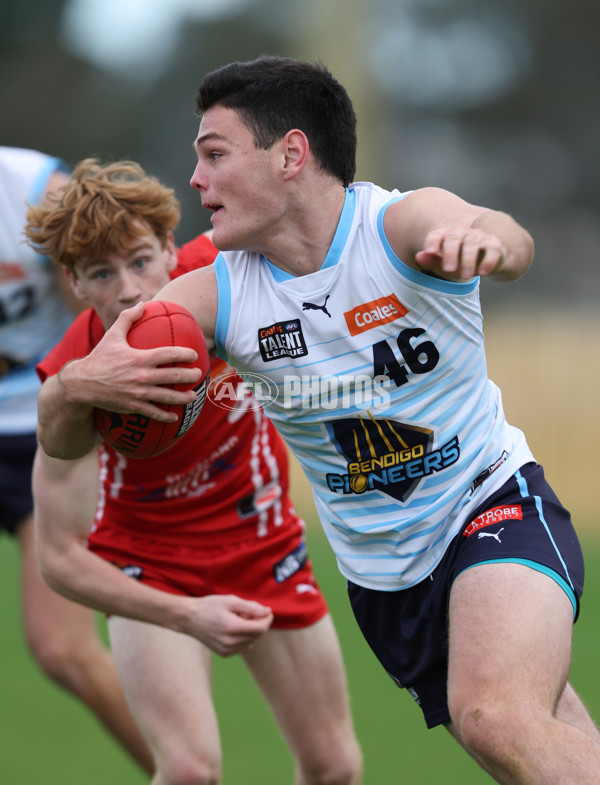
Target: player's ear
[(171, 250), (295, 148)]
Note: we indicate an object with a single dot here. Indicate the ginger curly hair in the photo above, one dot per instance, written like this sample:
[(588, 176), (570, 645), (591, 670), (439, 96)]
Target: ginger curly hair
[(100, 210)]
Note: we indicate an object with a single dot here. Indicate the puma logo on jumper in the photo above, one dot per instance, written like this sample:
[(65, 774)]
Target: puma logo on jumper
[(313, 307), (495, 535)]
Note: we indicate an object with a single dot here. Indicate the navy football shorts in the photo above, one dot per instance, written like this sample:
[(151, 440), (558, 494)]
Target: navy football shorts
[(16, 462), (523, 522)]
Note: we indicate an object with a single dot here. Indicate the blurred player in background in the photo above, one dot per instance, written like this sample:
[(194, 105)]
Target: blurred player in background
[(36, 307), (194, 551)]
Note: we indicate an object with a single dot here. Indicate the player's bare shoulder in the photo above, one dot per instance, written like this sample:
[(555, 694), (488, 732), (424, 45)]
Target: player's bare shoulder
[(408, 221), (196, 291)]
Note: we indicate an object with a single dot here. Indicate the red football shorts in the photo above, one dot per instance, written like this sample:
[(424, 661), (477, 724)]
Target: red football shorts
[(274, 570)]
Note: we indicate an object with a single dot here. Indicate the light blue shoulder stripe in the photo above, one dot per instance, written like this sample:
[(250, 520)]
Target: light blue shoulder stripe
[(223, 305), (343, 230), (338, 244), (278, 274), (422, 279)]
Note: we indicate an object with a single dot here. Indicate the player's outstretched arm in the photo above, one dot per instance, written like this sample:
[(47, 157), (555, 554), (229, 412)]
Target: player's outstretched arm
[(114, 376), (65, 493), (438, 232)]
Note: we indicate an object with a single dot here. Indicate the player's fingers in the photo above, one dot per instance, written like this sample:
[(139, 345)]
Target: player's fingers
[(471, 256), (165, 355), (249, 609), (171, 376), (434, 242), (442, 249), (130, 315), (153, 412), (242, 639), (428, 261), (451, 253), (492, 261)]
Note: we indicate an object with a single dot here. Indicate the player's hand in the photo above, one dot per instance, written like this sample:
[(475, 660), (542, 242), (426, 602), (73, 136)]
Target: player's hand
[(461, 252), (119, 378), (227, 624)]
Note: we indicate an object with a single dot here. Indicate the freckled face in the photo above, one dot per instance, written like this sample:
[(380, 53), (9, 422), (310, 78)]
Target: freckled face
[(239, 183)]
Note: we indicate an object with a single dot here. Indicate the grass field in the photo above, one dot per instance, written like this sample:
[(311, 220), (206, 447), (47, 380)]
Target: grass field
[(46, 736)]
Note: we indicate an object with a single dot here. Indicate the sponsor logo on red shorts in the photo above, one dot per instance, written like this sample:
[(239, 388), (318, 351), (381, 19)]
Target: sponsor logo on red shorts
[(495, 515)]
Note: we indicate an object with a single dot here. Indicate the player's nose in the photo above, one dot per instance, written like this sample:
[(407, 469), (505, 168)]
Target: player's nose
[(198, 181), (129, 288)]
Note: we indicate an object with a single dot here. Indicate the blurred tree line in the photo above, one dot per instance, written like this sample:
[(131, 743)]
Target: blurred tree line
[(496, 101)]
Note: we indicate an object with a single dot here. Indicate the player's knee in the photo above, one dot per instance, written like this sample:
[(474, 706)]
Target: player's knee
[(59, 661), (190, 770), (343, 768), (78, 667), (489, 729)]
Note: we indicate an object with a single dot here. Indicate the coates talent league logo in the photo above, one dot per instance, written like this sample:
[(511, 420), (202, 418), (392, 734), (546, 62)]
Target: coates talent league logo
[(282, 339)]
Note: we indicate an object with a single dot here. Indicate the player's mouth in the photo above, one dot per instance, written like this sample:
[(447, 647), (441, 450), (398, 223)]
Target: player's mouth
[(214, 208)]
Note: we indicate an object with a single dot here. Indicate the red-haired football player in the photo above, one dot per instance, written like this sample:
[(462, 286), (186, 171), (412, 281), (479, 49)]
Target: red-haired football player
[(193, 551)]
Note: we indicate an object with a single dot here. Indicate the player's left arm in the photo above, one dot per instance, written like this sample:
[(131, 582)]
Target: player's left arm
[(65, 494), (436, 231)]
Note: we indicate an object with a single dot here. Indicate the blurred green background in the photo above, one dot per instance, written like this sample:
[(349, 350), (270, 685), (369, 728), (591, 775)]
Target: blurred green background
[(497, 101)]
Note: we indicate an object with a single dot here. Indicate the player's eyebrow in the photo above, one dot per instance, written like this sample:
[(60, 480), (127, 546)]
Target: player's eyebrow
[(207, 137), (139, 247), (130, 252)]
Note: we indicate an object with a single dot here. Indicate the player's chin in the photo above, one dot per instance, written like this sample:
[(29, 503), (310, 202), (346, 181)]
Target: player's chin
[(226, 241), (227, 237), (219, 239)]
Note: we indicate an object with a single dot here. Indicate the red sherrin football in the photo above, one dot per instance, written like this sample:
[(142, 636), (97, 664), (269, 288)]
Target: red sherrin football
[(134, 435)]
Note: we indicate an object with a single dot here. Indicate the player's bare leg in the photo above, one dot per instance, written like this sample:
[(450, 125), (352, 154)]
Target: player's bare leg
[(64, 639), (166, 676), (572, 710), (509, 659), (302, 675)]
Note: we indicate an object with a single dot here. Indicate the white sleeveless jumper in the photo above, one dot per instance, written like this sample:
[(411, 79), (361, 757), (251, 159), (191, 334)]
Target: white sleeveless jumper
[(379, 387)]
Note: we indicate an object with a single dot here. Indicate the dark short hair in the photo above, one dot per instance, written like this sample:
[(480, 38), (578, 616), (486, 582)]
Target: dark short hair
[(272, 95)]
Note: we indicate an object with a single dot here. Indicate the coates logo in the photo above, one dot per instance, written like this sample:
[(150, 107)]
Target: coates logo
[(368, 315), (495, 515)]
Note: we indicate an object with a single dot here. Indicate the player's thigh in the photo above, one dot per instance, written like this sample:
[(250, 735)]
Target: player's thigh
[(301, 673), (166, 677), (54, 625), (510, 632)]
